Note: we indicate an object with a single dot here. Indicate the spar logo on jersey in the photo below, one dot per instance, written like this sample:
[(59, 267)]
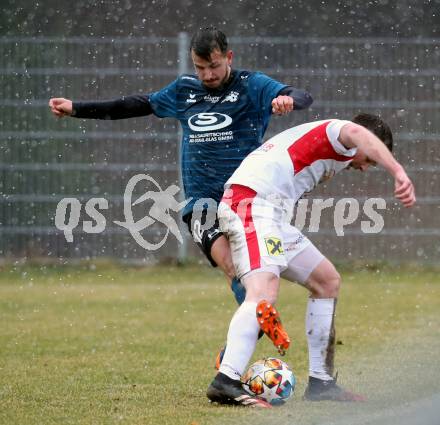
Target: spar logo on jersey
[(209, 121)]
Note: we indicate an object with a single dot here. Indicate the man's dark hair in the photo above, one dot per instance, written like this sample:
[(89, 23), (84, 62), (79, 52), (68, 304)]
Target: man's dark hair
[(377, 126), (206, 40)]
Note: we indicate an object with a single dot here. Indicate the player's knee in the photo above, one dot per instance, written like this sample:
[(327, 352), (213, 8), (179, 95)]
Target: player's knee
[(267, 296), (334, 285), (327, 287), (271, 290), (270, 296), (261, 287)]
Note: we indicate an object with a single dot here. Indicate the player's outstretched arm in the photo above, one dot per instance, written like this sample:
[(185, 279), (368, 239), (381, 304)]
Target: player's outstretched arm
[(354, 135), (125, 107)]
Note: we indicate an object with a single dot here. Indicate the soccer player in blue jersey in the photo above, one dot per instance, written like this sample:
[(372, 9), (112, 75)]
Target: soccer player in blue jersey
[(224, 114)]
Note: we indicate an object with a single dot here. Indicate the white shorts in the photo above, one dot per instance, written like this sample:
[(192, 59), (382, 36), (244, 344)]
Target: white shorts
[(262, 239)]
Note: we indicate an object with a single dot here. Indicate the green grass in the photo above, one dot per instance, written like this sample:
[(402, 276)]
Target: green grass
[(105, 345)]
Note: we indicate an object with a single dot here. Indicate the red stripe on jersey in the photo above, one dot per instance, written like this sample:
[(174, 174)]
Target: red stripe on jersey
[(312, 147), (241, 204)]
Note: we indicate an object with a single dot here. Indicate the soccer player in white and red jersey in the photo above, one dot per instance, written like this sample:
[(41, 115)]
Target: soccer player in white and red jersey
[(254, 214)]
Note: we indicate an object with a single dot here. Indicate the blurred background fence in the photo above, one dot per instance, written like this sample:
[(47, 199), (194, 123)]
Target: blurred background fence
[(43, 159)]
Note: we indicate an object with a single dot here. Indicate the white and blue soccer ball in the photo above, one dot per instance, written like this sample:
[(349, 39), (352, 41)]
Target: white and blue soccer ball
[(270, 379)]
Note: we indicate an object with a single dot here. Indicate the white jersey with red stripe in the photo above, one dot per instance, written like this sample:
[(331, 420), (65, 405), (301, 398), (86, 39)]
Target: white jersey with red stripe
[(295, 161)]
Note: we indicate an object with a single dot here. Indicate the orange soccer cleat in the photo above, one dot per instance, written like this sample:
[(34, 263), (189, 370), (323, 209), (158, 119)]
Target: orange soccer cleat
[(270, 323)]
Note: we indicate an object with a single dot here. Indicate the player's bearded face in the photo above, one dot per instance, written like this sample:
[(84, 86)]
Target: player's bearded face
[(215, 72)]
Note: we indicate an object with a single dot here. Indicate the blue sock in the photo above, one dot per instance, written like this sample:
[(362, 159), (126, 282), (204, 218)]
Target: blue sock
[(239, 290)]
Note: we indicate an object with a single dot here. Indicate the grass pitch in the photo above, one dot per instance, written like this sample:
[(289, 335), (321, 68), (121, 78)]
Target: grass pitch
[(107, 345)]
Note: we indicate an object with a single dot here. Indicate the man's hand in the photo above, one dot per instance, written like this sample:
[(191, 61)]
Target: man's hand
[(282, 105), (60, 107), (404, 189)]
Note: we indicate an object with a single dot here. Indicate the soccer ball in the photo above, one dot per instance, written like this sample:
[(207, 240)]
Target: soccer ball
[(270, 379)]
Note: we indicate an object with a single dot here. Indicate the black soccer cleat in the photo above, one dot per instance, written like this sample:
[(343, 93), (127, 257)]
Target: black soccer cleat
[(225, 390), (319, 390)]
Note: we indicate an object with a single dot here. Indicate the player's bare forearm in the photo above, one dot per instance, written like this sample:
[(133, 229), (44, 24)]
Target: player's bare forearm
[(356, 136), (404, 189), (353, 135)]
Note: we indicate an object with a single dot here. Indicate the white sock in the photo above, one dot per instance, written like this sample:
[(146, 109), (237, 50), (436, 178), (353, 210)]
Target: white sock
[(320, 337), (241, 342)]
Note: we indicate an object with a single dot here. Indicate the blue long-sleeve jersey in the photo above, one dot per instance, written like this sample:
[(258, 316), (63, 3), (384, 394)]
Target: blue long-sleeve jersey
[(220, 127)]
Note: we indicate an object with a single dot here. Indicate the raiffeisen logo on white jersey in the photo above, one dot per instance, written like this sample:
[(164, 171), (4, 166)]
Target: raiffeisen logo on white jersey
[(208, 121)]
